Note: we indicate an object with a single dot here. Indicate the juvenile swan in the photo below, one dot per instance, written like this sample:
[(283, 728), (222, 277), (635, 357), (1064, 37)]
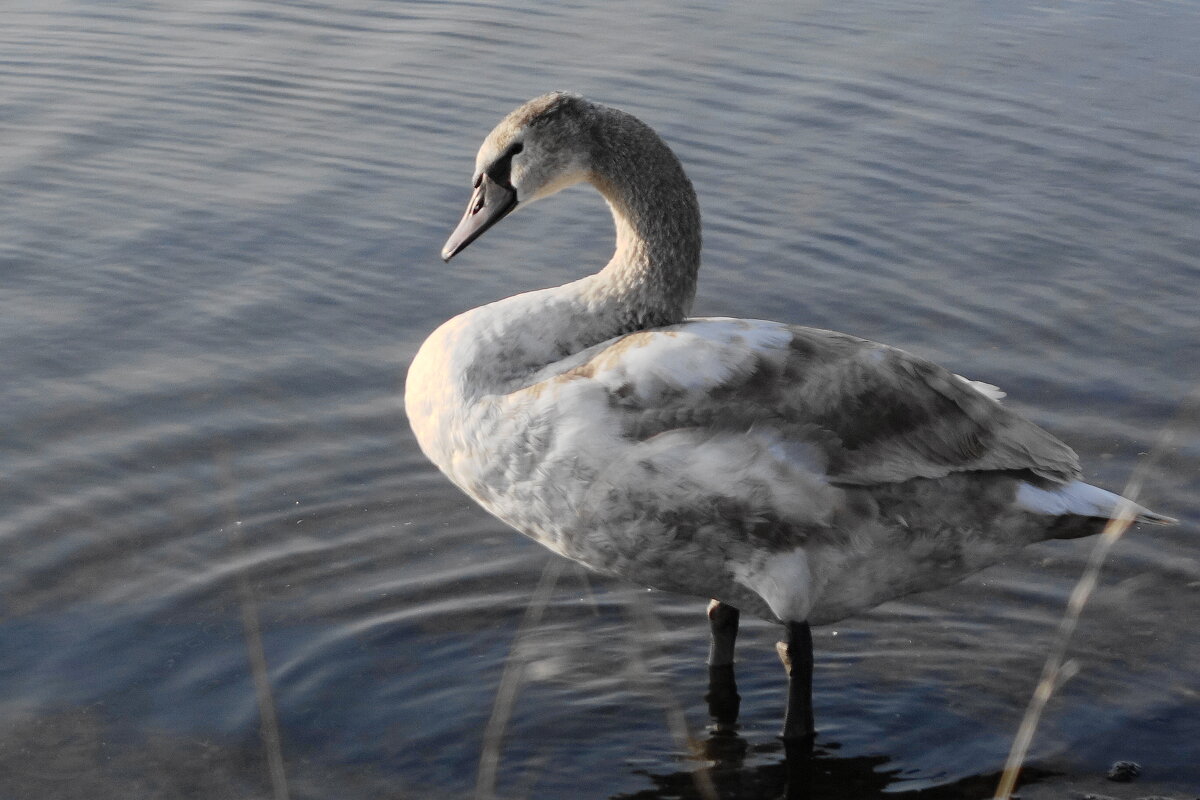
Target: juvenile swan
[(797, 474)]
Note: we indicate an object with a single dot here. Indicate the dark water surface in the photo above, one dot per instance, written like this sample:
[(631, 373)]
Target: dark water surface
[(220, 225)]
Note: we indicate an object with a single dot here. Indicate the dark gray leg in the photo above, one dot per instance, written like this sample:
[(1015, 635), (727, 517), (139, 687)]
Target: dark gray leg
[(797, 655), (722, 697), (723, 620)]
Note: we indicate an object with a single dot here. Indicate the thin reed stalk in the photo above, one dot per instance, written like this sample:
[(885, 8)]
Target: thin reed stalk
[(252, 631), (1057, 670), (647, 628), (510, 683)]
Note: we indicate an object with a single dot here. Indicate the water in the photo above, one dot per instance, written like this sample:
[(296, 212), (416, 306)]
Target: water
[(219, 253)]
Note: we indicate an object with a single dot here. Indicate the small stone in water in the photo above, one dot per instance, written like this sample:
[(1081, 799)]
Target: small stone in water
[(1123, 771)]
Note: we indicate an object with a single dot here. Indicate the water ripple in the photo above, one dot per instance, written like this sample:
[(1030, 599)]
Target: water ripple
[(220, 253)]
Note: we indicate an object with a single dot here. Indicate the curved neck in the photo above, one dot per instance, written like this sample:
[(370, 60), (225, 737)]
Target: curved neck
[(651, 278), (649, 282)]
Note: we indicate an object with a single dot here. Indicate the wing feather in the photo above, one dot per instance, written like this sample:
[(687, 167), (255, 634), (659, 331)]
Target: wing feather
[(879, 414)]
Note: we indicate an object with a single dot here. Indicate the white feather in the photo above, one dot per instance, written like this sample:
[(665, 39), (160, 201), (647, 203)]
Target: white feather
[(1076, 497), (985, 389), (783, 580)]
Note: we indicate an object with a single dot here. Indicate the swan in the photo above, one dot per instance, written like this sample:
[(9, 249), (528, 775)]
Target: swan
[(797, 474)]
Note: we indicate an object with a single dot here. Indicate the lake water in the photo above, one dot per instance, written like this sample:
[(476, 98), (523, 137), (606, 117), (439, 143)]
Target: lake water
[(219, 252)]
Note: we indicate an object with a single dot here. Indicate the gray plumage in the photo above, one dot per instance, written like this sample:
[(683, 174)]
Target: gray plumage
[(795, 473)]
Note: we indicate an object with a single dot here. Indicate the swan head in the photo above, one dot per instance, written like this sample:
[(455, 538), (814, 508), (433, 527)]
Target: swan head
[(540, 148)]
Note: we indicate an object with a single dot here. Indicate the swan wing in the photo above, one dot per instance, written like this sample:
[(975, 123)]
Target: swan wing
[(873, 413)]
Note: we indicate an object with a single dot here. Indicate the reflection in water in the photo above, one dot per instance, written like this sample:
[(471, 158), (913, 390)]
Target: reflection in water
[(823, 776), (795, 773), (80, 755)]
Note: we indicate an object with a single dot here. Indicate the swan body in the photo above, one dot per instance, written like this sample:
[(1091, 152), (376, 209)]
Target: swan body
[(798, 474)]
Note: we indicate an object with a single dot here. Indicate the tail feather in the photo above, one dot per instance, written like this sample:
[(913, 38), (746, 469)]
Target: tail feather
[(1082, 499)]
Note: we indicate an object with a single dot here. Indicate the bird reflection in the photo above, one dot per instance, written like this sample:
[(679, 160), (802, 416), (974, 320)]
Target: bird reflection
[(810, 771)]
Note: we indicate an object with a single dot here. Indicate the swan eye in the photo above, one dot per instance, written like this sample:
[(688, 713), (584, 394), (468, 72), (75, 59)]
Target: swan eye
[(502, 166)]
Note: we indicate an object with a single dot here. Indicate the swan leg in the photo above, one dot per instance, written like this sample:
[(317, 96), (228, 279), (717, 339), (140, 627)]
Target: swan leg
[(723, 620), (723, 699), (797, 657)]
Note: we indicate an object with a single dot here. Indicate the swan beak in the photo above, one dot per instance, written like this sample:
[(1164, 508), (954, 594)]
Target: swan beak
[(490, 203)]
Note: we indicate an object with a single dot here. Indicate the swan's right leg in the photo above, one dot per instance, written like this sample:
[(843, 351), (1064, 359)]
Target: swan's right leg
[(797, 656)]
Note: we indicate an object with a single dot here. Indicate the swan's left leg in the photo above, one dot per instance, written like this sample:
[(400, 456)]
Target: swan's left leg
[(722, 697), (797, 657), (723, 621)]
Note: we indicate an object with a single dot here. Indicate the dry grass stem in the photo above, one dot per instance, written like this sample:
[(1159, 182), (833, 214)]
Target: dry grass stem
[(510, 683), (646, 629), (1054, 675), (1056, 670), (589, 596), (252, 630)]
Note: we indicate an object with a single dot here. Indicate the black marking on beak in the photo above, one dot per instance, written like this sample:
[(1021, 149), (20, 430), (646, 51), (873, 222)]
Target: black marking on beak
[(494, 198)]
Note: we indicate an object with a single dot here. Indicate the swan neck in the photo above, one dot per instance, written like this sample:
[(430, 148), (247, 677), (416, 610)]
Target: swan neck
[(652, 273)]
